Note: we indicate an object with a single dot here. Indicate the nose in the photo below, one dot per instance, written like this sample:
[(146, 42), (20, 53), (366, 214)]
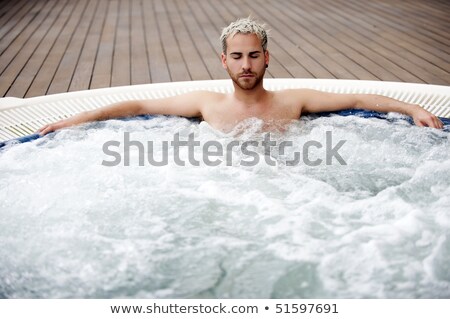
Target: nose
[(246, 65)]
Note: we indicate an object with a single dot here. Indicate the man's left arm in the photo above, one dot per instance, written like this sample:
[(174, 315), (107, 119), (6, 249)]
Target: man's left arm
[(317, 101)]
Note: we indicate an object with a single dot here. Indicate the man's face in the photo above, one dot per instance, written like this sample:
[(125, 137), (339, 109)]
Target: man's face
[(245, 60)]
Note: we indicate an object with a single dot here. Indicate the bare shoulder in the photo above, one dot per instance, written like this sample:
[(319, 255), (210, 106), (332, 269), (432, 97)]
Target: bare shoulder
[(293, 97), (305, 97), (209, 96), (203, 98), (189, 104), (209, 100), (306, 101), (297, 93)]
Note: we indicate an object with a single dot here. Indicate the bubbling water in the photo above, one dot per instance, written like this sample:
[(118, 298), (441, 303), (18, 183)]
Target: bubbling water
[(377, 227)]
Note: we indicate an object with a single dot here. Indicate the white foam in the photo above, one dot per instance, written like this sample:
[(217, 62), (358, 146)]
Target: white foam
[(376, 227)]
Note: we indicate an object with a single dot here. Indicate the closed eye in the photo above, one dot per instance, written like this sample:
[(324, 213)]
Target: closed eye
[(237, 57)]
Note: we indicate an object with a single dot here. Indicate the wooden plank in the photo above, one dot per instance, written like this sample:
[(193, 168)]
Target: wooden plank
[(82, 75), (393, 40), (352, 49), (7, 7), (101, 74), (11, 11), (365, 40), (65, 71), (337, 64), (210, 32), (407, 57), (397, 23), (194, 63), (177, 65), (159, 69), (427, 16), (15, 40), (27, 75), (407, 17), (209, 56), (45, 76), (439, 5), (140, 69), (121, 74), (13, 69), (404, 33)]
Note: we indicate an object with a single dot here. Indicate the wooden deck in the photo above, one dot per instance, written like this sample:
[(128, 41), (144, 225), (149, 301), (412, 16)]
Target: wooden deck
[(54, 46)]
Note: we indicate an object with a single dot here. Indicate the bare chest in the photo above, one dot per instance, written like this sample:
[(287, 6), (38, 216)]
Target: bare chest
[(226, 116)]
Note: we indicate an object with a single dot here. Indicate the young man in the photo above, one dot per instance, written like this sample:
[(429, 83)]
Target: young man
[(245, 57)]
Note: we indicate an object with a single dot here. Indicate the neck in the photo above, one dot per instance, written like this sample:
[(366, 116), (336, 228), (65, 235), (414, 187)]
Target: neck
[(250, 97)]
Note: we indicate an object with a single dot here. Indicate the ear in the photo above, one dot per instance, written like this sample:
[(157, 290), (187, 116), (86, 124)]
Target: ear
[(266, 57), (224, 60)]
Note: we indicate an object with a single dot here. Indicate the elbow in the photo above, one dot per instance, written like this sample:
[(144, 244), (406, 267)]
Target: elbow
[(368, 101), (358, 102), (128, 108), (137, 108)]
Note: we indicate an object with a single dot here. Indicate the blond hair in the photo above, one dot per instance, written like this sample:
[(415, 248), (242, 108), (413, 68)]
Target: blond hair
[(245, 26)]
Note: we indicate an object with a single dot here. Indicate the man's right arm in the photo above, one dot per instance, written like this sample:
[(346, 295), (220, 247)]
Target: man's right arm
[(187, 105)]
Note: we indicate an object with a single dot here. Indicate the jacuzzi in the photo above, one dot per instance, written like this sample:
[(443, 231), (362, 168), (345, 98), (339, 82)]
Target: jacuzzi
[(377, 226)]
